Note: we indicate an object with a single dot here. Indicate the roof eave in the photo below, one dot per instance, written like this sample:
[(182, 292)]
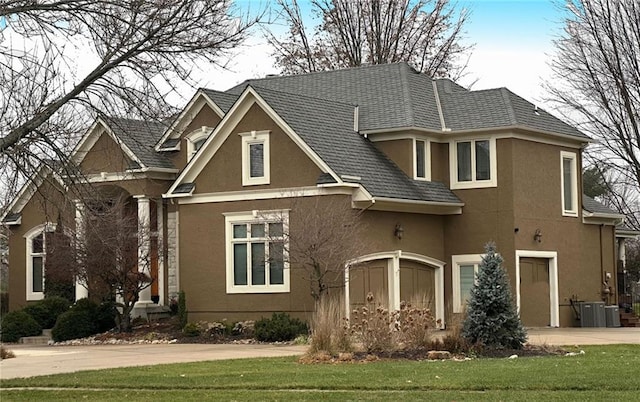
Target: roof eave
[(411, 206)]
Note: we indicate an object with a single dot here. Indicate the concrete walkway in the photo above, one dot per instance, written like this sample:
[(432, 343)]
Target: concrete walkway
[(33, 360), (38, 360)]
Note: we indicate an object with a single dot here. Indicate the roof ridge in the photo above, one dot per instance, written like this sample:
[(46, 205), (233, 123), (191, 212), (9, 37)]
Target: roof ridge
[(406, 90), (512, 114)]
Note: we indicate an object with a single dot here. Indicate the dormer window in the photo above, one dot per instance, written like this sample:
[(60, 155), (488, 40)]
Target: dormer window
[(421, 160), (255, 158), (473, 163), (195, 141)]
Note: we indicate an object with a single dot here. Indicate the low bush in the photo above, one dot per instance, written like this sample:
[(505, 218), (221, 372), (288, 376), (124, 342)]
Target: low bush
[(279, 328), (192, 329), (47, 310), (6, 354), (17, 324), (83, 319), (74, 324), (105, 318)]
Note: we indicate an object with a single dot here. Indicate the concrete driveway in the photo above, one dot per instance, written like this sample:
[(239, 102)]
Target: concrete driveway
[(42, 360)]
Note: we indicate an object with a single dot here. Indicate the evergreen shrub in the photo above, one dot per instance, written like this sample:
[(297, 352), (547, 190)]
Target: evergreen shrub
[(183, 317), (492, 318), (74, 324), (47, 310), (17, 324), (279, 328)]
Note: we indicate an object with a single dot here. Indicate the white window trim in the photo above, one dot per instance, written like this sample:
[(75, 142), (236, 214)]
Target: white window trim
[(195, 136), (456, 262), (453, 164), (29, 236), (574, 183), (232, 218), (255, 137), (427, 159)]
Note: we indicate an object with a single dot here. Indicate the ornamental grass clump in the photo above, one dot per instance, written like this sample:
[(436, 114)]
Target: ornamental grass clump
[(492, 318), (329, 329)]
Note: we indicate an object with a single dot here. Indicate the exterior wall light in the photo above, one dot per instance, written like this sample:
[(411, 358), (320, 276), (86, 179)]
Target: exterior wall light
[(398, 232), (538, 236)]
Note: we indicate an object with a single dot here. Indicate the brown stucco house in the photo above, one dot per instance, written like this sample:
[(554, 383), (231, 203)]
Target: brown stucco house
[(436, 170)]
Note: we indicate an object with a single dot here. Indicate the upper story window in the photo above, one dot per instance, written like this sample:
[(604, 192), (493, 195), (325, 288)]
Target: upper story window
[(255, 158), (256, 252), (473, 163), (195, 141), (569, 180), (465, 269), (421, 160)]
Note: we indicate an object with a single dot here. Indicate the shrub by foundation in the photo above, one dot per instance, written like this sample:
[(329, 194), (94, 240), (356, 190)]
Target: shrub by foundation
[(279, 328), (17, 324), (74, 324), (329, 332), (47, 310)]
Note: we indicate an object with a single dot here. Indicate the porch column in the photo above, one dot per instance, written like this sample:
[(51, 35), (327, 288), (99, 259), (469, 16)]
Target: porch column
[(144, 245), (161, 248), (82, 290)]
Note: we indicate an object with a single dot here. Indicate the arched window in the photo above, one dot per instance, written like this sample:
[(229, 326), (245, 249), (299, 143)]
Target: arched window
[(195, 140), (36, 246)]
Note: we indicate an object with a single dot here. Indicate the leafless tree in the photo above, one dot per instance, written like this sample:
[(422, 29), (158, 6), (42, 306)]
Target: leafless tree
[(105, 254), (111, 259), (324, 233), (597, 86), (64, 62), (425, 33)]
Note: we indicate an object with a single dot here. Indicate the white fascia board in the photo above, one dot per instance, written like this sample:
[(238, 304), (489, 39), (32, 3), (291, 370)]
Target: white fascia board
[(419, 202), (263, 194), (87, 142), (222, 131), (195, 105), (27, 191), (596, 218)]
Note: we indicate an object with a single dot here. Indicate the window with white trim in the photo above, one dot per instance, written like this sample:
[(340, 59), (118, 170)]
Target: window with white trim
[(36, 246), (569, 181), (473, 163), (195, 140), (256, 252), (255, 158), (465, 269), (421, 160)]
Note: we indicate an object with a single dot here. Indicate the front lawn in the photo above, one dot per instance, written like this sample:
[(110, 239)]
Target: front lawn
[(603, 372)]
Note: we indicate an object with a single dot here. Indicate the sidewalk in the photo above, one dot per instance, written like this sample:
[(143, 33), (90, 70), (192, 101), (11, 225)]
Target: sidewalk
[(42, 360)]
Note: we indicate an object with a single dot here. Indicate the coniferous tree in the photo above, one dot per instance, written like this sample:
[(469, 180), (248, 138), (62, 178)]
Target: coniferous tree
[(492, 318)]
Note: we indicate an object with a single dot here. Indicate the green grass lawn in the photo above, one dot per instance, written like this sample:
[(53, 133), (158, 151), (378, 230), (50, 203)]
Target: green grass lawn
[(602, 373)]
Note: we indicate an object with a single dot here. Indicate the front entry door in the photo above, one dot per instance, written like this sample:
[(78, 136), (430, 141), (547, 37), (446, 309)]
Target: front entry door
[(534, 292)]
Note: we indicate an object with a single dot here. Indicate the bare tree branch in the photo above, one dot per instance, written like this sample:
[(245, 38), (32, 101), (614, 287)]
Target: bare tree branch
[(425, 33), (597, 85)]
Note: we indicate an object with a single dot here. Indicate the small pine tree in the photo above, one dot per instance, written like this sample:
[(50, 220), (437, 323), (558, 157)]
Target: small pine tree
[(492, 318)]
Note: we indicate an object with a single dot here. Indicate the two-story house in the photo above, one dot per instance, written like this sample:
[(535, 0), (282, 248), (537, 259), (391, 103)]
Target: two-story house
[(436, 170)]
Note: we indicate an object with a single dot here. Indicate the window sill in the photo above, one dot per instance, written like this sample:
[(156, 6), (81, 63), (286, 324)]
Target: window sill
[(257, 289)]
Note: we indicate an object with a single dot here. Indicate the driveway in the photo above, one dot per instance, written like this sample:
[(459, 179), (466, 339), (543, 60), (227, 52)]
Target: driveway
[(42, 360)]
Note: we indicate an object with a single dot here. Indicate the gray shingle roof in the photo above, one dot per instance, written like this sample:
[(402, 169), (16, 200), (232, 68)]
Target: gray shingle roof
[(593, 206), (224, 100), (396, 96), (493, 108), (327, 127), (388, 95), (140, 137)]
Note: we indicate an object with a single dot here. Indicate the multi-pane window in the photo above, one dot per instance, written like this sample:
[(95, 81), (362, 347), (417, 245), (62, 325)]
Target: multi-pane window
[(37, 263), (37, 240), (421, 159), (255, 158), (474, 160), (569, 183), (465, 270), (256, 253)]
